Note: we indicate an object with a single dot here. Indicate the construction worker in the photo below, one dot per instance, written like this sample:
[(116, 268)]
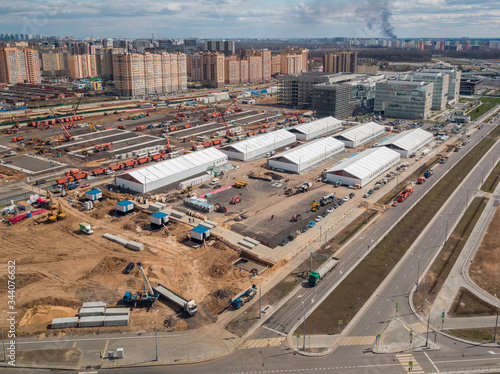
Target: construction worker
[(272, 217)]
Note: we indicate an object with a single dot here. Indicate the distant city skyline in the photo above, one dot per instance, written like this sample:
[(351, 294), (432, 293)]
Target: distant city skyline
[(259, 19)]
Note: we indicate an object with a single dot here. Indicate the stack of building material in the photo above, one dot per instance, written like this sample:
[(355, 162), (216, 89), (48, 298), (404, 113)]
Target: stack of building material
[(248, 242), (62, 323), (134, 246), (96, 311)]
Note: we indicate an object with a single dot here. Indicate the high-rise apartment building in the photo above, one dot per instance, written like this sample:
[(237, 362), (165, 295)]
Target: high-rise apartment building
[(19, 66), (54, 61), (104, 61), (233, 70), (141, 74), (223, 46), (275, 65), (340, 62), (213, 70), (293, 60), (195, 67), (82, 66)]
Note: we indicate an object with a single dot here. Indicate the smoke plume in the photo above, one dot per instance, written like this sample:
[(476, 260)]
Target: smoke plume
[(377, 15)]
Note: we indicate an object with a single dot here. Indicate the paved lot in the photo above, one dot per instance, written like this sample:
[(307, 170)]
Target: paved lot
[(33, 165)]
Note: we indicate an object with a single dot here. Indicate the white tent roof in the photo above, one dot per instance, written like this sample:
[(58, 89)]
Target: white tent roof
[(167, 168), (361, 131), (367, 162), (409, 140), (261, 141), (309, 151), (327, 124)]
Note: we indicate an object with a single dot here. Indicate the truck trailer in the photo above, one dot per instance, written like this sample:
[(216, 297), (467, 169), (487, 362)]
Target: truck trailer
[(244, 297), (316, 276), (189, 307)]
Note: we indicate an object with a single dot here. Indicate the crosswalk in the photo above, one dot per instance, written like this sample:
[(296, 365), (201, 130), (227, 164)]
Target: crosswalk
[(265, 342), (357, 340), (408, 361), (418, 328)]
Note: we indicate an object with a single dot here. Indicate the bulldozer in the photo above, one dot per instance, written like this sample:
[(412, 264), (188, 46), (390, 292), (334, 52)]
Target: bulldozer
[(187, 189), (60, 214), (240, 184), (315, 205), (40, 149)]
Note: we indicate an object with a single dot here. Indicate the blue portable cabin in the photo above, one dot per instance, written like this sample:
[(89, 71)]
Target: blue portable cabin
[(93, 194), (200, 233), (158, 219), (125, 206)]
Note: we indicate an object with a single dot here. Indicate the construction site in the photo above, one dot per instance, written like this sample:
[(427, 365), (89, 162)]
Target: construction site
[(255, 210)]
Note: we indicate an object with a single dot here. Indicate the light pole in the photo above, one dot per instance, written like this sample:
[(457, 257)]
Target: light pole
[(3, 341), (156, 336), (460, 348), (304, 344), (418, 271)]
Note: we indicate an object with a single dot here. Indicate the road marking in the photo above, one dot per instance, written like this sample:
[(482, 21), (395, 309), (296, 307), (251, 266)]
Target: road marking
[(264, 342), (357, 340), (405, 276), (277, 332), (435, 367), (419, 328), (74, 344), (397, 287), (104, 350), (378, 312), (405, 360)]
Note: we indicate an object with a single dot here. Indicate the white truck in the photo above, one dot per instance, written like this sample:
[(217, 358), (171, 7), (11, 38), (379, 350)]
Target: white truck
[(86, 228), (188, 306)]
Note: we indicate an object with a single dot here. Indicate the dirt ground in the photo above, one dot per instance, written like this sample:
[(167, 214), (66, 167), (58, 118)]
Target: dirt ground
[(485, 268), (58, 268), (12, 175)]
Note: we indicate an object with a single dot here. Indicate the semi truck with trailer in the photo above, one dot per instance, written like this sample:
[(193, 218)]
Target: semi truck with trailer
[(189, 306), (244, 297), (316, 276)]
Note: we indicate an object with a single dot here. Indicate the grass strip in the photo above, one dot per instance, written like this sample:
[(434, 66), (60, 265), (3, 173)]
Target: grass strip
[(466, 304), (441, 268), (491, 182), (348, 298)]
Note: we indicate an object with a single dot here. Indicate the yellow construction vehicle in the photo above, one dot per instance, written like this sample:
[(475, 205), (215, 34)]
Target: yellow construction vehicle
[(52, 205), (240, 184), (315, 205), (188, 189), (92, 127), (60, 214), (52, 216), (40, 149), (34, 139)]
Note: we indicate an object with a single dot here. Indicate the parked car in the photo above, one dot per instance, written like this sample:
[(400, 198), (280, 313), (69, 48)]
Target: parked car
[(394, 203), (311, 224), (325, 213), (217, 187), (304, 229), (351, 195), (346, 198), (129, 268), (330, 209), (284, 242), (318, 218)]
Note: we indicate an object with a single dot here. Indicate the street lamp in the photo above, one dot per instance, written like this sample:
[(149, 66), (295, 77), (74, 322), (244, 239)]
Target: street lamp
[(156, 336), (460, 348), (304, 343)]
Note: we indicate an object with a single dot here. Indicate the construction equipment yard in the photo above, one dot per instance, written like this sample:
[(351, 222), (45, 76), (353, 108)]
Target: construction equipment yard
[(59, 267)]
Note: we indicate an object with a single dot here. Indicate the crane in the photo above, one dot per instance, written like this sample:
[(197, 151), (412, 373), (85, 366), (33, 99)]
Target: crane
[(52, 205), (66, 133), (179, 116), (145, 279), (228, 132), (168, 148), (236, 108)]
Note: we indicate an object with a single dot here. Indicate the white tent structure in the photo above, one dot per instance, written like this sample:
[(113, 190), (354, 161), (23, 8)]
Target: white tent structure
[(360, 134), (307, 156), (257, 146), (363, 167), (314, 129), (160, 174), (407, 142)]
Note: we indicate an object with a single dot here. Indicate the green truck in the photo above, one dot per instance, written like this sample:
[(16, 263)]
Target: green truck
[(316, 276)]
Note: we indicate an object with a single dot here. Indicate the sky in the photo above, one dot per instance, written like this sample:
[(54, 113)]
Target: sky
[(252, 18)]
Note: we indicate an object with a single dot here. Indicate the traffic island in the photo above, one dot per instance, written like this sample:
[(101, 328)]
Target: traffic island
[(398, 337)]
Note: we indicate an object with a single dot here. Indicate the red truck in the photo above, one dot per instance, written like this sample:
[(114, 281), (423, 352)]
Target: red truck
[(188, 126), (116, 167), (18, 139), (217, 141), (172, 128), (403, 195), (98, 171), (80, 176), (157, 157), (121, 127), (143, 160), (130, 163), (420, 180), (139, 128)]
